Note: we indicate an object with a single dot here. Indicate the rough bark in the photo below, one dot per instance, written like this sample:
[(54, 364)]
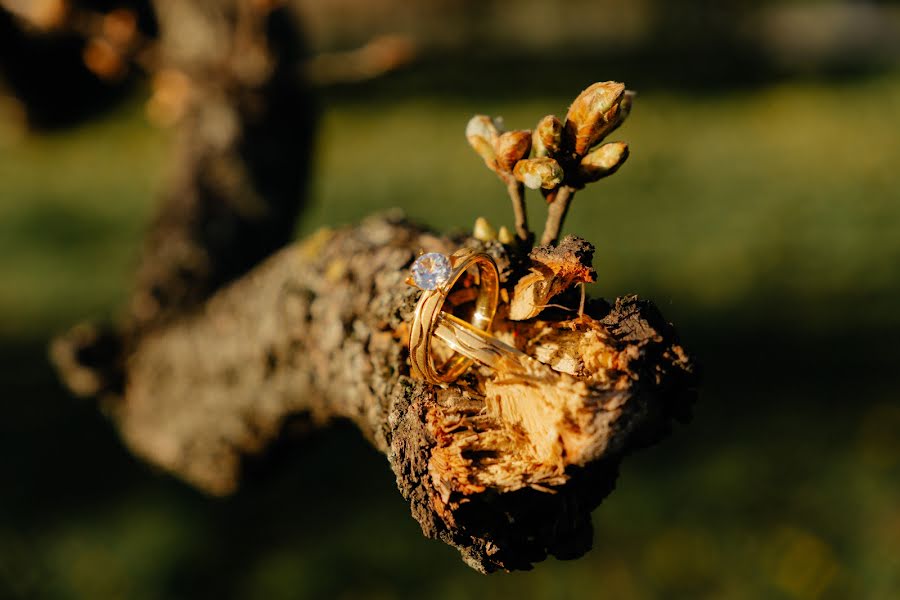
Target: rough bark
[(505, 469)]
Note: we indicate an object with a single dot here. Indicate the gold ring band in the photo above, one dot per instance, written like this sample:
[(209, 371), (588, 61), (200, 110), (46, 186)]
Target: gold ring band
[(470, 340), (479, 345)]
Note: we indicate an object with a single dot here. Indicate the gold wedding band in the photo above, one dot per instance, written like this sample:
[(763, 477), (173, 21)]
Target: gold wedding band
[(470, 340)]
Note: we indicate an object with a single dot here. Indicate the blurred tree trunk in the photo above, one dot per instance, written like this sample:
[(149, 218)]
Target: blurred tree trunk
[(245, 122), (227, 75)]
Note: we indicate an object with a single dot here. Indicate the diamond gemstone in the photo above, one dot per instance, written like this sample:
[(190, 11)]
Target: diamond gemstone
[(430, 271)]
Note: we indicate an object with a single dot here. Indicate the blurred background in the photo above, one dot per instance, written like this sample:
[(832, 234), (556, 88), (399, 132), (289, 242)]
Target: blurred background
[(760, 209)]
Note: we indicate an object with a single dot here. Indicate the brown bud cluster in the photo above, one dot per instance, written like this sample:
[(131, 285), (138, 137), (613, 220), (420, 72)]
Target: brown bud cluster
[(564, 155), (561, 152)]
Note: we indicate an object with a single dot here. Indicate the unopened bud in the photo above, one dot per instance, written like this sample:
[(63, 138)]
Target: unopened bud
[(622, 113), (547, 136), (512, 147), (483, 230), (505, 236), (603, 161), (482, 135), (592, 115), (482, 126), (538, 173)]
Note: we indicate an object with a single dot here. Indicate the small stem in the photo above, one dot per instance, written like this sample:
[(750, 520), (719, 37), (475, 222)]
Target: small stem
[(517, 194), (583, 297), (556, 214)]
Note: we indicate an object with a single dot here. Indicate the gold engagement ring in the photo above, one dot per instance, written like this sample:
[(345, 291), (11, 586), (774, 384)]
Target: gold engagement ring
[(469, 339)]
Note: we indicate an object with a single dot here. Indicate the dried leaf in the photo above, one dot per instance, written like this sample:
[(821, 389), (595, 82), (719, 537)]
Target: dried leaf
[(554, 269)]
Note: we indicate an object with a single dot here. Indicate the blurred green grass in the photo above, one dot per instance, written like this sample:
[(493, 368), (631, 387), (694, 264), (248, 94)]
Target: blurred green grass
[(73, 207), (764, 223)]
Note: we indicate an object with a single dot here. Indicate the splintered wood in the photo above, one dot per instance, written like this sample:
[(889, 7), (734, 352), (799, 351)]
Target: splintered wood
[(570, 401), (528, 427)]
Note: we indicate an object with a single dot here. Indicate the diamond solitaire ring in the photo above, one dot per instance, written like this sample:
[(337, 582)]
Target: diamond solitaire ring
[(468, 338)]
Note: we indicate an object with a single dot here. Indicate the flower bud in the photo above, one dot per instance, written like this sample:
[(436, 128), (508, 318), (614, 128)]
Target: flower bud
[(483, 230), (592, 115), (547, 136), (622, 113), (482, 135), (603, 161), (538, 173), (512, 147)]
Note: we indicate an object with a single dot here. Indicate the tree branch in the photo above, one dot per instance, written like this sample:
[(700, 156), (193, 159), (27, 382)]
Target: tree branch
[(516, 193), (214, 358), (245, 127), (556, 214), (505, 468)]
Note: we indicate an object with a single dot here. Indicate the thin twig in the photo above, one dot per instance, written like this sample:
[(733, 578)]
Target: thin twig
[(556, 214), (583, 297), (517, 194)]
